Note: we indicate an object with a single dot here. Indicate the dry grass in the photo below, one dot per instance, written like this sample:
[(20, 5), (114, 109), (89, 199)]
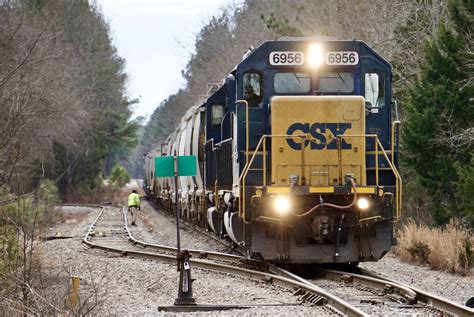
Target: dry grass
[(448, 248)]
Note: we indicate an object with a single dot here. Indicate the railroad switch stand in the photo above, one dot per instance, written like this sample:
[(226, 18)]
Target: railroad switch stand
[(185, 291)]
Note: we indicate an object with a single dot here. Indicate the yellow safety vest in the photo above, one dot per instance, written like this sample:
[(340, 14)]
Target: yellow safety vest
[(133, 200)]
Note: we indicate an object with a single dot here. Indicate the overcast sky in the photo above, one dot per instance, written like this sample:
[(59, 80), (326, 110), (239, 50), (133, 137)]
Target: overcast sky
[(156, 38)]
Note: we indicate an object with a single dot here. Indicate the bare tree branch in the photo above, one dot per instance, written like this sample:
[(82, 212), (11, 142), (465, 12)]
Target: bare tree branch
[(27, 54)]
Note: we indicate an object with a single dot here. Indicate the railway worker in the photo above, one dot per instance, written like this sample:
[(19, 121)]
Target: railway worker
[(133, 205)]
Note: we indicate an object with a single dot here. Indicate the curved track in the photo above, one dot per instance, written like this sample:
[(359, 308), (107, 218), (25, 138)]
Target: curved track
[(426, 298), (407, 296), (308, 293)]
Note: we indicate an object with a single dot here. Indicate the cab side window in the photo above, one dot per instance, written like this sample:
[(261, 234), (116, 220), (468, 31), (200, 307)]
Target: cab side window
[(253, 89), (374, 90), (217, 114)]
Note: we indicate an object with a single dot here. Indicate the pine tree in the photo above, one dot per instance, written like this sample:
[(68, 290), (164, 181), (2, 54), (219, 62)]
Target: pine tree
[(439, 107)]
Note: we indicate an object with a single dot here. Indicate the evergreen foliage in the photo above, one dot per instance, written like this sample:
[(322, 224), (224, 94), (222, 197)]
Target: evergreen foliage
[(119, 177), (465, 191), (281, 26), (439, 105)]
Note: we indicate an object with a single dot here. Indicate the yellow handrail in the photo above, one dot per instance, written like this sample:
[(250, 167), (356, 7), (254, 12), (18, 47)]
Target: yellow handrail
[(394, 124), (264, 163), (304, 137), (246, 104), (242, 208), (398, 179), (398, 184), (377, 163)]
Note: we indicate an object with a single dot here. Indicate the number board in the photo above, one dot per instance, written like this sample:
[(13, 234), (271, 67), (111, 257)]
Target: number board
[(286, 58), (342, 58)]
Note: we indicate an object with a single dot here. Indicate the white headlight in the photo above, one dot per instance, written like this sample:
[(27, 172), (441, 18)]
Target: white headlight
[(363, 203), (281, 204), (315, 55)]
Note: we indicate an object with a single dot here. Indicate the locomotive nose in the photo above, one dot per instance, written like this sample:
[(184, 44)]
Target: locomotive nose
[(322, 134)]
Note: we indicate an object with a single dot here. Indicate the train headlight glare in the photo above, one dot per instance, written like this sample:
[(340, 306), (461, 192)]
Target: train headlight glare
[(363, 203), (315, 55), (282, 204)]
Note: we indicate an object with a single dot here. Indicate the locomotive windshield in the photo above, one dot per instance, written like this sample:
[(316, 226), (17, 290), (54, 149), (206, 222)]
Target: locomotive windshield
[(291, 83), (336, 82)]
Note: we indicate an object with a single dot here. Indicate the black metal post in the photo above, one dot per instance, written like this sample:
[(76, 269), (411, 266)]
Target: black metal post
[(185, 291), (176, 199)]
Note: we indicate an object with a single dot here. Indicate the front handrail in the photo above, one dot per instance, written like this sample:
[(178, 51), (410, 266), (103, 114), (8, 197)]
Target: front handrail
[(305, 137), (398, 178), (394, 124), (248, 164)]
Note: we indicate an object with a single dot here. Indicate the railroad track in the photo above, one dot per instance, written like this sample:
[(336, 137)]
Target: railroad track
[(408, 299), (384, 289), (114, 244), (392, 296)]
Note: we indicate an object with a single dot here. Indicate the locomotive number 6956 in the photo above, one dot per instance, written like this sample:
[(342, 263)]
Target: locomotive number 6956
[(286, 58), (342, 58)]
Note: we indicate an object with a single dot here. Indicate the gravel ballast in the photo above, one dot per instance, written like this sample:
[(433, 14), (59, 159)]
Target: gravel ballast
[(453, 287), (134, 286)]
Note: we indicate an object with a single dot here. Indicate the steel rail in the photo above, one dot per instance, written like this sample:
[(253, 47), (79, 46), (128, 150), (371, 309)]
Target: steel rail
[(376, 283), (278, 274), (335, 303), (154, 204), (79, 205), (201, 254), (412, 294), (427, 298), (282, 277), (332, 299)]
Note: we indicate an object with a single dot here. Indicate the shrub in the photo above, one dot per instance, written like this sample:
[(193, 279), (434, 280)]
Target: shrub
[(119, 176), (46, 197), (446, 248), (21, 218), (419, 251), (465, 191)]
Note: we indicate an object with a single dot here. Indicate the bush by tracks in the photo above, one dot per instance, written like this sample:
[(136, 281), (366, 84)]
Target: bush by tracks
[(447, 248), (119, 176), (21, 274)]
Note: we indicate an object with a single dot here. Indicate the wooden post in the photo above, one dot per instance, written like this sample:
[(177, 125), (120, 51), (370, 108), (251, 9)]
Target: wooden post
[(74, 291)]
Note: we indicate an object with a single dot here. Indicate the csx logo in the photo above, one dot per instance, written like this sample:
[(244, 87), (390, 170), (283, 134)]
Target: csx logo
[(317, 131)]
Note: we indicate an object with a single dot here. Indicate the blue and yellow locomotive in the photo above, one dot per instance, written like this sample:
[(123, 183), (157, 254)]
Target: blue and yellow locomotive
[(297, 154)]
